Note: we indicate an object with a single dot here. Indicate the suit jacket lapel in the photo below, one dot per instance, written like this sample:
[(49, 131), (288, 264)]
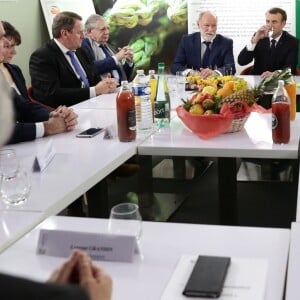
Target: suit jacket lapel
[(61, 57), (197, 46), (119, 68)]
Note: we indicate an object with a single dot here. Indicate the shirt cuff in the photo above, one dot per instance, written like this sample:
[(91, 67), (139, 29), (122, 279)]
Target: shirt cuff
[(250, 46), (39, 130), (116, 60), (186, 72), (92, 92)]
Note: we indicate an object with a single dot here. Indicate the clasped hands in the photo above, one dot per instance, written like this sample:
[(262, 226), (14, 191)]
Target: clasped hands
[(125, 52), (60, 120), (79, 270)]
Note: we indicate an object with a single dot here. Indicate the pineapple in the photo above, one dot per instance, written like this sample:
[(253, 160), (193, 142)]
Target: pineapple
[(248, 96)]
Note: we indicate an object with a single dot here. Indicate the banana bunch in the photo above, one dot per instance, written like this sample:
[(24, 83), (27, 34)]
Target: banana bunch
[(143, 48), (130, 13), (177, 11)]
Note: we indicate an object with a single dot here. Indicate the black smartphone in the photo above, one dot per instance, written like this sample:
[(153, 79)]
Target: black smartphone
[(208, 276), (91, 132)]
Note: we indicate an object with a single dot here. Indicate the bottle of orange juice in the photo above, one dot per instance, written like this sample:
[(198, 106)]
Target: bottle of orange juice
[(291, 90)]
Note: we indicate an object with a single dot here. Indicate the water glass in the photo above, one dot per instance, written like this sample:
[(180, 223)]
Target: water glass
[(228, 69), (180, 84), (15, 190), (125, 219), (9, 164)]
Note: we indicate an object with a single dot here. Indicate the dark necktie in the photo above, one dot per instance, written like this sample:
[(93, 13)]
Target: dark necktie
[(272, 48), (205, 60), (121, 72), (78, 68), (105, 50)]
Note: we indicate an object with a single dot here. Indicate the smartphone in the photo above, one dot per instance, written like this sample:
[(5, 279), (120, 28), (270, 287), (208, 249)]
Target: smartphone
[(208, 276), (89, 133)]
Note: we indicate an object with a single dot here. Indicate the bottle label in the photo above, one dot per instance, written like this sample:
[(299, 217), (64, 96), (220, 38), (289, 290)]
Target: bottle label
[(274, 121), (161, 110), (131, 119)]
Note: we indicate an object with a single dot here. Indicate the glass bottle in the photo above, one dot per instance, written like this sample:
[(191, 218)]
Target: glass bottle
[(291, 89), (153, 86), (141, 91), (162, 99), (281, 115), (126, 114)]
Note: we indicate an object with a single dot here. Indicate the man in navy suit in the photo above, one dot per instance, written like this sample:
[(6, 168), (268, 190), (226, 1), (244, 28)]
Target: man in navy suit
[(60, 75), (32, 120), (107, 60), (268, 58), (206, 52)]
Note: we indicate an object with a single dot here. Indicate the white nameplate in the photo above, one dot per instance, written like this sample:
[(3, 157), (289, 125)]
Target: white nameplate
[(44, 157), (100, 246)]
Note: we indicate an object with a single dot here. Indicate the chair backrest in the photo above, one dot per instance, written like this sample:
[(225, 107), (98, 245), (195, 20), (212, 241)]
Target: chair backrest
[(246, 70), (297, 72), (30, 95)]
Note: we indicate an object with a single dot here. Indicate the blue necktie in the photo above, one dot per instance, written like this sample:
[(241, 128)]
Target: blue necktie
[(78, 68), (120, 72), (205, 60), (105, 50)]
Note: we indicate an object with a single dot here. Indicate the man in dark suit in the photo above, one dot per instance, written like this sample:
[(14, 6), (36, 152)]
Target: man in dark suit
[(206, 52), (59, 75), (107, 60), (271, 47), (34, 120)]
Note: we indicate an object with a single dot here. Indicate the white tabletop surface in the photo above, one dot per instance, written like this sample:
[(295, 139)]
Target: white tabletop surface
[(78, 165), (13, 225), (162, 245), (292, 285), (255, 141)]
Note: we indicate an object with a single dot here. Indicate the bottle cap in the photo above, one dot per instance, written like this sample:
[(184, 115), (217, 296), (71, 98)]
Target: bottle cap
[(161, 65)]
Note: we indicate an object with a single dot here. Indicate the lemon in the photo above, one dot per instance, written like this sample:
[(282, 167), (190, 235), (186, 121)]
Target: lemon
[(209, 89)]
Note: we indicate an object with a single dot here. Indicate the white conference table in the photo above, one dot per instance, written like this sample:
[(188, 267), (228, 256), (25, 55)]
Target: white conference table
[(255, 141), (162, 245), (79, 164), (13, 225), (292, 284)]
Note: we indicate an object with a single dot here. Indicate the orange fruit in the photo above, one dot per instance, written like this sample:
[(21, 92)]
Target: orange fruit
[(229, 84)]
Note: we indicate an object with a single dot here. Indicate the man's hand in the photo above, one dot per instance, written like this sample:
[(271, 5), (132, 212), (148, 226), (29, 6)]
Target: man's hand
[(55, 124), (266, 74), (126, 53), (80, 270), (106, 86), (68, 115), (261, 33), (204, 73)]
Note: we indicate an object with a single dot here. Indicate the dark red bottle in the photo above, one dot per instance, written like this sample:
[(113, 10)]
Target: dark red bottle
[(280, 115), (126, 114)]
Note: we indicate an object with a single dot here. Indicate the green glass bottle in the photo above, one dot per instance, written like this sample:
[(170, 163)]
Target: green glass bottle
[(162, 99)]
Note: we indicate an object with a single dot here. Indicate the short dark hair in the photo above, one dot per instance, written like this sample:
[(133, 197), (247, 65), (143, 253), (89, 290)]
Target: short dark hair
[(64, 20), (277, 10), (11, 32)]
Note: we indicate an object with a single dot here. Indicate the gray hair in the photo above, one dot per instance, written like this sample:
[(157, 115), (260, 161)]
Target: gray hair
[(6, 111), (207, 12), (91, 21)]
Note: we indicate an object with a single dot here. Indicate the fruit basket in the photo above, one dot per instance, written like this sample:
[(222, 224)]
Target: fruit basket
[(208, 126), (222, 105)]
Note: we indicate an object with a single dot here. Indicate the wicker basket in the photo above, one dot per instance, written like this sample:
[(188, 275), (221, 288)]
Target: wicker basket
[(238, 124)]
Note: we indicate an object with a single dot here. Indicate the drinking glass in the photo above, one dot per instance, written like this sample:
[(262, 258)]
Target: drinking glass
[(15, 190), (228, 69), (125, 219), (180, 84), (9, 164)]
